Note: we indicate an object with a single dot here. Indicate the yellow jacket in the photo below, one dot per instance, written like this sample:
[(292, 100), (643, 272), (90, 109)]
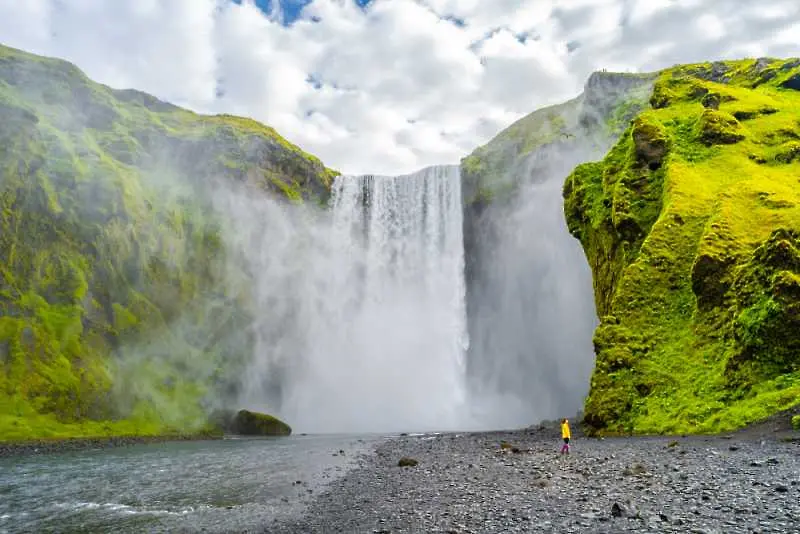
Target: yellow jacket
[(565, 430)]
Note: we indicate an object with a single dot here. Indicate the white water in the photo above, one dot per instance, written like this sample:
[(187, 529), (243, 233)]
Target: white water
[(372, 301)]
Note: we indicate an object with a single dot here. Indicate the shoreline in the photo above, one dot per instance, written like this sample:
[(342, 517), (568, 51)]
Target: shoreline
[(57, 445), (742, 481), (777, 427)]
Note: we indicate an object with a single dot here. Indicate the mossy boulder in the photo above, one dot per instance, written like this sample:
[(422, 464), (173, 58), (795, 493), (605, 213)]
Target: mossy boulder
[(718, 128), (249, 423), (711, 100), (789, 152), (650, 142), (695, 262)]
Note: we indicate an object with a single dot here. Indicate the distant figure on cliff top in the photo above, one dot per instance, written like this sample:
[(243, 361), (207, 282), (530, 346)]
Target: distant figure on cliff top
[(565, 435)]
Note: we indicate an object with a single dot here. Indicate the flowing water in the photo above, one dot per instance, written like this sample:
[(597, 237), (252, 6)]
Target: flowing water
[(214, 486), (366, 329)]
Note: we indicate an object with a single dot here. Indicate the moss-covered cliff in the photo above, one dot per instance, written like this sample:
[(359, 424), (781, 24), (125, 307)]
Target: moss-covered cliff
[(110, 256), (529, 305), (691, 225)]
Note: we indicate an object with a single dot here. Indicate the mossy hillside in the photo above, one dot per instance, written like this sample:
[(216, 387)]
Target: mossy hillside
[(690, 226), (489, 170), (117, 312)]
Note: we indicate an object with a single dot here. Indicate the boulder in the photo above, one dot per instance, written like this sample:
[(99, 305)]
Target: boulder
[(711, 101), (792, 83), (719, 128), (407, 462), (259, 424)]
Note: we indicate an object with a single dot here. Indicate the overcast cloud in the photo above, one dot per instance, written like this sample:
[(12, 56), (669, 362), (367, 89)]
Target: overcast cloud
[(398, 84)]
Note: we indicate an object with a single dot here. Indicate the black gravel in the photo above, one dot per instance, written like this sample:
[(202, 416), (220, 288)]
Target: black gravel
[(29, 448), (469, 483)]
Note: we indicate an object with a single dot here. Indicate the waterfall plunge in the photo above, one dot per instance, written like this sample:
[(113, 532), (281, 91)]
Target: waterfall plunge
[(372, 300)]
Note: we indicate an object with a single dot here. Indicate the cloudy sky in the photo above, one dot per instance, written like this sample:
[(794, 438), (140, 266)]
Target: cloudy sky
[(387, 86)]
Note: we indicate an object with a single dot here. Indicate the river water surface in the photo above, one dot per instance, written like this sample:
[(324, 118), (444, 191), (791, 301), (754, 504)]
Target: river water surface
[(230, 485)]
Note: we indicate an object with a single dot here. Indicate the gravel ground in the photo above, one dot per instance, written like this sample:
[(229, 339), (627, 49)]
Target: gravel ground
[(469, 483), (30, 448)]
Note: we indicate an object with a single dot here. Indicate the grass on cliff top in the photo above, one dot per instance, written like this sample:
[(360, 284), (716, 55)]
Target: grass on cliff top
[(718, 199)]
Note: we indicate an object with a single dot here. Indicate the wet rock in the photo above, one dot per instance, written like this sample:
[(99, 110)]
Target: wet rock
[(407, 462)]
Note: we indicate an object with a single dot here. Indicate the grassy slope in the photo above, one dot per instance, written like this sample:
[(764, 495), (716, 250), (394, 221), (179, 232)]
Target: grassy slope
[(691, 225), (106, 244)]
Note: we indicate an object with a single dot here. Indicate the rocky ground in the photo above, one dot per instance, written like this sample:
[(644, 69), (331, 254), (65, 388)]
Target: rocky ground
[(29, 448), (465, 483)]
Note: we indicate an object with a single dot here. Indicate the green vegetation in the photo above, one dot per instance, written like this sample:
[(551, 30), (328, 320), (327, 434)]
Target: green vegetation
[(114, 318), (489, 171), (259, 424), (691, 226)]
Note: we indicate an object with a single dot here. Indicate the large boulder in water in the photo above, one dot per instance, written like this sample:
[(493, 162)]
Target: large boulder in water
[(259, 424)]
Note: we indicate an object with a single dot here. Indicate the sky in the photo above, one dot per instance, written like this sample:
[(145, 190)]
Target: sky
[(387, 86)]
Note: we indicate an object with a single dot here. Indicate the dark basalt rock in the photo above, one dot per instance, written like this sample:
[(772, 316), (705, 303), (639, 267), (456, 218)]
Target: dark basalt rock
[(792, 83)]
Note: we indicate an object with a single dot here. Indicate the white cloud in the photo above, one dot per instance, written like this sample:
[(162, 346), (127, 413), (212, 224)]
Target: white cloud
[(399, 85)]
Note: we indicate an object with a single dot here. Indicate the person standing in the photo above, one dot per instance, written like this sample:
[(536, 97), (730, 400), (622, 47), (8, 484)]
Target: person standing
[(565, 435)]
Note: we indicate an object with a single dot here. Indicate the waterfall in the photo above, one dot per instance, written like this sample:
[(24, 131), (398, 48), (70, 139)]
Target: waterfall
[(372, 335), (530, 302)]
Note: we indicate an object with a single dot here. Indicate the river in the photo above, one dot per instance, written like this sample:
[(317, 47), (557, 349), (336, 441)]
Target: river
[(229, 485)]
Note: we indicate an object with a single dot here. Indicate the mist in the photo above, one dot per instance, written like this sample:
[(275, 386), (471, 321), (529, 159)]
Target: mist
[(531, 307), (530, 298), (360, 323), (398, 308)]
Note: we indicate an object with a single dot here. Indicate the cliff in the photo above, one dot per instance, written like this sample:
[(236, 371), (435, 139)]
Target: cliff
[(529, 306), (691, 226), (117, 315)]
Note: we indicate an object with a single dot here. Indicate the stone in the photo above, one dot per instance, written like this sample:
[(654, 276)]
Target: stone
[(259, 424), (407, 462)]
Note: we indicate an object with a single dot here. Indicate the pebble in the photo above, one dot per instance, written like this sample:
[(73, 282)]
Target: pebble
[(470, 483)]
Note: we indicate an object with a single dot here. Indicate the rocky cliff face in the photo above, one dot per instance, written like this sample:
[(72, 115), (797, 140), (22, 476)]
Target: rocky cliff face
[(690, 225), (110, 250), (529, 307)]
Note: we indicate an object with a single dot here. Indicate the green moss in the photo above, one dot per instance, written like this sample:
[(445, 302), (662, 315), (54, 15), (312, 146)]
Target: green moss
[(796, 422), (259, 424), (112, 258), (718, 128), (694, 257)]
